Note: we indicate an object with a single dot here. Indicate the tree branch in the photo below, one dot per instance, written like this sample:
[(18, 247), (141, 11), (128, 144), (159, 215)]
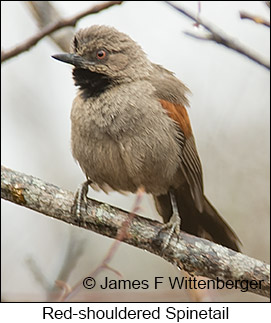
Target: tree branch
[(26, 45), (45, 13), (256, 19), (219, 37), (195, 255)]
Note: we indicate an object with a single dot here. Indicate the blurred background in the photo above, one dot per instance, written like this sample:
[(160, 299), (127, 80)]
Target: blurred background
[(230, 117)]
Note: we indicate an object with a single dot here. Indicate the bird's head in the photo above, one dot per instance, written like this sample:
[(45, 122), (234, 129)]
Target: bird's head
[(103, 56)]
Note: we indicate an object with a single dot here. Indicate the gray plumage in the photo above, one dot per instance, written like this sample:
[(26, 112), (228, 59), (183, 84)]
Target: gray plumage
[(130, 129)]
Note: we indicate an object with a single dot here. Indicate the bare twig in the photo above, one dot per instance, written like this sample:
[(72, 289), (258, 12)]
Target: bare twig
[(45, 13), (26, 45), (220, 38), (197, 256), (74, 251), (38, 274), (257, 19)]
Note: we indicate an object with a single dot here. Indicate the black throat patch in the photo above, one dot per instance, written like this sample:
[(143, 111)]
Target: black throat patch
[(90, 83)]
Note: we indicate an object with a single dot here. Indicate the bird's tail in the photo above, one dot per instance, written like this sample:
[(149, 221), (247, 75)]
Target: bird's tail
[(217, 228), (207, 224)]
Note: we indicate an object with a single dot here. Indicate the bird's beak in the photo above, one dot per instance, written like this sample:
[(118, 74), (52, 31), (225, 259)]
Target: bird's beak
[(72, 59)]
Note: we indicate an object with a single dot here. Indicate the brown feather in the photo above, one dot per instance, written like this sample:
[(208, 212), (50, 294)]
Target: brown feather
[(190, 165), (130, 128), (179, 114)]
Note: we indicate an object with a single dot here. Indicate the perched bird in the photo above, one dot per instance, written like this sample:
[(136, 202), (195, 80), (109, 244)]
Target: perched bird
[(130, 128)]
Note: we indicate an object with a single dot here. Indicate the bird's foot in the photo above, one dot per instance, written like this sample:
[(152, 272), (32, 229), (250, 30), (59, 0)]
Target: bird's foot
[(79, 208), (174, 223)]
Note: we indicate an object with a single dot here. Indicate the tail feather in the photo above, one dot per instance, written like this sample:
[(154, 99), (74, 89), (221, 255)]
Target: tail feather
[(217, 228), (206, 224)]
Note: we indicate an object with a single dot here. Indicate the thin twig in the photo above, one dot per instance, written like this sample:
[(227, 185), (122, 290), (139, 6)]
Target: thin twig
[(220, 38), (37, 273), (26, 45), (74, 251), (45, 13), (257, 19), (195, 255)]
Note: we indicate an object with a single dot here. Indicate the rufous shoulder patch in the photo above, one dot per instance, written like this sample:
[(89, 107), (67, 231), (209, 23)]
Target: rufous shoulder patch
[(179, 114)]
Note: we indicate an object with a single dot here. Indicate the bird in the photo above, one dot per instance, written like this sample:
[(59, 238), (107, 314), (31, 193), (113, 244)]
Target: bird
[(130, 128)]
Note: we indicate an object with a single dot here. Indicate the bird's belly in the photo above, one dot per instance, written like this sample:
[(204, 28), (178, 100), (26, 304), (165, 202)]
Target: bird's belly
[(129, 163)]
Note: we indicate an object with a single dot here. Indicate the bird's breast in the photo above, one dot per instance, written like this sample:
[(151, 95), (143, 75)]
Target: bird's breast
[(125, 144)]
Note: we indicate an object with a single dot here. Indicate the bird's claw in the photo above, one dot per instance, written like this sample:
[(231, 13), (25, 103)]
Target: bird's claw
[(174, 223), (79, 208), (173, 226)]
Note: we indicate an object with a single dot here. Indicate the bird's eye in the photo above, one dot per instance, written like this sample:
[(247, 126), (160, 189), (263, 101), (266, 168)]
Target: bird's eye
[(101, 54)]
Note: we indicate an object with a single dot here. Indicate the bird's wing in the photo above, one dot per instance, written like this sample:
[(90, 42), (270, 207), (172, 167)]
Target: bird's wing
[(172, 96)]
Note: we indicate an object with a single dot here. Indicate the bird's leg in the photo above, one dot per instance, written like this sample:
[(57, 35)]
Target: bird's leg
[(175, 221), (79, 208)]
